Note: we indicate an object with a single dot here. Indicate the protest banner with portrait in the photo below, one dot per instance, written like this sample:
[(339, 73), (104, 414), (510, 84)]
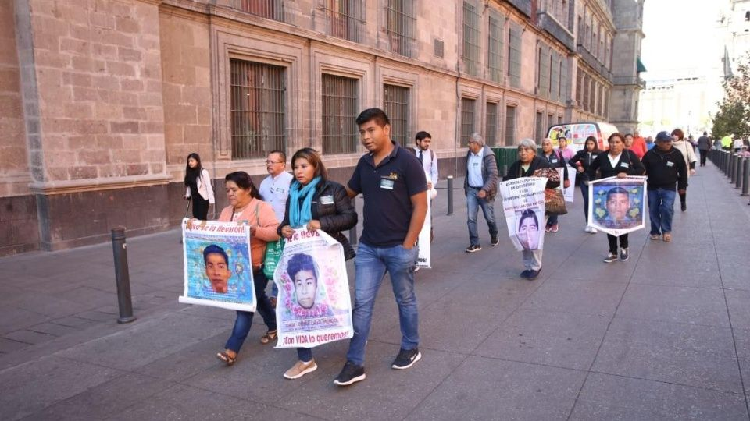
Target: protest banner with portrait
[(314, 306), (617, 205), (523, 205), (218, 265), (423, 241), (568, 193)]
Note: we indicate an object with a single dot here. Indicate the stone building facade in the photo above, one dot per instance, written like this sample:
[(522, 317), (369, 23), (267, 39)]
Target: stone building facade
[(103, 99)]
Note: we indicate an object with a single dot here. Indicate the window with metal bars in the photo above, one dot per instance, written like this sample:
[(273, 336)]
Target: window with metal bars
[(495, 49), (579, 88), (470, 51), (539, 127), (467, 120), (510, 125), (345, 18), (271, 9), (514, 55), (257, 108), (340, 104), (490, 132), (399, 26), (396, 107)]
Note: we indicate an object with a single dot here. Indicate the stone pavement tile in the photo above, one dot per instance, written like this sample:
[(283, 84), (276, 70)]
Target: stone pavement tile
[(14, 318), (53, 286), (557, 339), (189, 361), (694, 355), (665, 274), (47, 305), (29, 388), (145, 341), (29, 337), (573, 296), (278, 414), (739, 307), (590, 268), (734, 274), (8, 345), (184, 402), (485, 389), (104, 400), (76, 322), (96, 316), (606, 397), (53, 329), (385, 394), (86, 294), (704, 306)]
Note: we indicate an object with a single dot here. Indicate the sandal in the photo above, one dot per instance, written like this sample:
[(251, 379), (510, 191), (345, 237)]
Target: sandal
[(667, 237), (228, 359), (268, 337)]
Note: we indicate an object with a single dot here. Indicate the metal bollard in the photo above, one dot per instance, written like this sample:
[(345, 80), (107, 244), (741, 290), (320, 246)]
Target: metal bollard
[(450, 195), (746, 177), (353, 230), (728, 170), (504, 173), (732, 171), (738, 173), (122, 276)]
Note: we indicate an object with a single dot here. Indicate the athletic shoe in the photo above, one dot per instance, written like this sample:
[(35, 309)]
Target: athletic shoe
[(300, 368), (350, 374), (548, 229), (473, 249), (555, 228), (525, 274), (611, 257), (594, 230), (655, 236), (624, 254), (494, 241), (406, 358), (683, 207), (533, 274), (416, 268)]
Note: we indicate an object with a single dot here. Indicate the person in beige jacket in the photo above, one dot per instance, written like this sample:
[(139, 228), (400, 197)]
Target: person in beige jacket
[(682, 145)]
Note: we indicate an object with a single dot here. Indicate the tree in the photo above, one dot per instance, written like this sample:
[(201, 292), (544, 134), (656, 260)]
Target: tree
[(734, 110)]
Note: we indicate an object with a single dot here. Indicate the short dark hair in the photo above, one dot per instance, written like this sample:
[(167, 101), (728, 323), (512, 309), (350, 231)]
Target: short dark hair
[(214, 249), (243, 181), (280, 152), (423, 135), (559, 138), (301, 262), (613, 135), (373, 114), (614, 191), (313, 157), (528, 214)]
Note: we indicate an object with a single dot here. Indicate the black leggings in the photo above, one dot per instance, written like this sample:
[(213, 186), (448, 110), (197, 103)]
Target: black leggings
[(683, 198), (200, 207), (703, 156), (613, 242)]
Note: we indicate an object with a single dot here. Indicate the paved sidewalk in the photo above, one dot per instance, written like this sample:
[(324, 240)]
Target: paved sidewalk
[(665, 335)]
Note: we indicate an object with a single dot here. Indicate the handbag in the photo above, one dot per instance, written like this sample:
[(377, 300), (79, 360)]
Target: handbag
[(274, 249), (554, 202)]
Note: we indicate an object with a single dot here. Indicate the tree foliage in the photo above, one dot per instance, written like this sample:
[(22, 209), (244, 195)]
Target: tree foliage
[(734, 110)]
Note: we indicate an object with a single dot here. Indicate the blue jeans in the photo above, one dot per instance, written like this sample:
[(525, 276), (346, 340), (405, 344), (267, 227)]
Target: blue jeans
[(370, 266), (585, 193), (244, 319), (473, 203), (552, 220), (304, 354), (661, 210)]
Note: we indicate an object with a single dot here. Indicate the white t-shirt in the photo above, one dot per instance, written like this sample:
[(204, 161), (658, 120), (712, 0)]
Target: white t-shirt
[(275, 190)]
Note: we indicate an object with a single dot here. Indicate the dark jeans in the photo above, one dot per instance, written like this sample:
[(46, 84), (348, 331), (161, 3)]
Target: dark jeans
[(552, 220), (473, 203), (200, 207), (683, 199), (613, 242), (304, 354), (661, 210), (585, 194), (244, 319), (704, 154)]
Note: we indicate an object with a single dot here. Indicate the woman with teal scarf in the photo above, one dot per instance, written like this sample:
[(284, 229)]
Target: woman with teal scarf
[(318, 204)]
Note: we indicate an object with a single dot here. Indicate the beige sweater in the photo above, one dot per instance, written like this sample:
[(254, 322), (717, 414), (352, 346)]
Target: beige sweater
[(265, 223)]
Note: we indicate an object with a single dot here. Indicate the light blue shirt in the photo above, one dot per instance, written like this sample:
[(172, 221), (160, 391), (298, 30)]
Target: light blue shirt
[(474, 167), (274, 191)]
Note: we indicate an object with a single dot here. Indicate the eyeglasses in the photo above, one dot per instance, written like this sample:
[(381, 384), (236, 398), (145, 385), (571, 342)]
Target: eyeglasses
[(273, 162)]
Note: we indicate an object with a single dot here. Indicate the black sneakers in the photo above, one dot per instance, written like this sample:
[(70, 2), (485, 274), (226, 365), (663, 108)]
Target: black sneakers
[(494, 241), (533, 274), (406, 358), (350, 374), (624, 254), (473, 249)]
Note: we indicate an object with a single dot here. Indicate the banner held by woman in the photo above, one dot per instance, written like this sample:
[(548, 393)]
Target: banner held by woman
[(314, 306), (217, 265), (523, 204), (617, 205)]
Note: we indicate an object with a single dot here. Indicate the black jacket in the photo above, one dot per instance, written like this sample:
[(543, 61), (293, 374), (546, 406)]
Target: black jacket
[(665, 169), (515, 170), (335, 213), (556, 160), (628, 163), (585, 159)]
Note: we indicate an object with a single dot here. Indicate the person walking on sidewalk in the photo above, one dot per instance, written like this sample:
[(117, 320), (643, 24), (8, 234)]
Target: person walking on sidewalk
[(618, 162), (319, 204), (688, 152), (665, 167), (394, 186), (555, 160), (582, 162), (246, 207), (704, 145), (527, 163), (198, 187), (480, 187)]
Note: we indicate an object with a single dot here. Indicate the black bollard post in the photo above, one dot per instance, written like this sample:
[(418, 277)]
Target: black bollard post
[(738, 173), (746, 177), (732, 171), (353, 230), (450, 195), (728, 165), (122, 276)]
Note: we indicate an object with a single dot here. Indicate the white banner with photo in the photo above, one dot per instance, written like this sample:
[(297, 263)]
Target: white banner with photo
[(568, 193), (523, 205), (314, 305), (423, 241), (617, 206)]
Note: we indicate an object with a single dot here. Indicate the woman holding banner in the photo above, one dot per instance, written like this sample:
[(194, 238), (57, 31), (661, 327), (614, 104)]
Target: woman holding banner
[(318, 204), (582, 162), (618, 162), (527, 163), (246, 207), (555, 160)]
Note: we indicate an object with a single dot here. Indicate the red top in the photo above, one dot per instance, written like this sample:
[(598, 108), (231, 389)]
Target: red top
[(639, 146)]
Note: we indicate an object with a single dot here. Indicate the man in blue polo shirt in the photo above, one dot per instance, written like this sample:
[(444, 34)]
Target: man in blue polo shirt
[(394, 187)]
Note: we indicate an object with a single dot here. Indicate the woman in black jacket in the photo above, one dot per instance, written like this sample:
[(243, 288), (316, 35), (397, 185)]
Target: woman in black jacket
[(329, 210), (581, 161), (618, 162), (555, 160), (527, 163)]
